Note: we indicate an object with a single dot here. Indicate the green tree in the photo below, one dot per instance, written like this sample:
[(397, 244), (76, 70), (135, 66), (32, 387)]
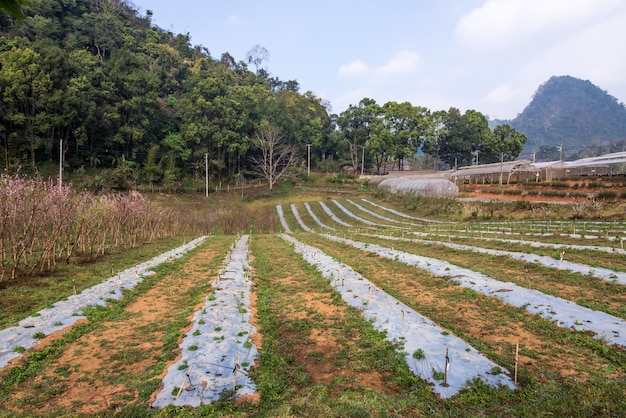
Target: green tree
[(355, 124), (14, 7), (505, 144), (433, 141), (24, 86), (380, 143), (152, 170), (465, 135), (408, 126)]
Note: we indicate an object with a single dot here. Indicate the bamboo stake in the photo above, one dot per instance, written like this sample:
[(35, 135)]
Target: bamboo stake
[(445, 370), (184, 382), (516, 362), (235, 374)]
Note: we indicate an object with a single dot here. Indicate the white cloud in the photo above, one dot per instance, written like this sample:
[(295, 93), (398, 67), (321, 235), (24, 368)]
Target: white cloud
[(505, 100), (357, 67), (590, 54), (506, 23), (233, 20), (404, 62)]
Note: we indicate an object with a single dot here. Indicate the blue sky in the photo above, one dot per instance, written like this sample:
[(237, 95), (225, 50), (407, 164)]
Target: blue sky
[(487, 55)]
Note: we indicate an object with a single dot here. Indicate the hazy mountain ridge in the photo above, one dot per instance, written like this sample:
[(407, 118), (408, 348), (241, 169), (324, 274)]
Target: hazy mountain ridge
[(576, 113)]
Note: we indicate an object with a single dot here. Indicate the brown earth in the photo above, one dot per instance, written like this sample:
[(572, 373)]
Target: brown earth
[(538, 356), (545, 193), (320, 348), (105, 368)]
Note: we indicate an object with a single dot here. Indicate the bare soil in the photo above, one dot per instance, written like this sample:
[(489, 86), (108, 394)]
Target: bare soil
[(100, 371), (444, 302)]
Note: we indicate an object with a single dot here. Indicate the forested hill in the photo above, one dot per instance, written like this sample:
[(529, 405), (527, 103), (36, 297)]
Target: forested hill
[(127, 96), (573, 112)]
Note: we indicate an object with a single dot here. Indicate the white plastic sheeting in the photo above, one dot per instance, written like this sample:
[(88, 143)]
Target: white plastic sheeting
[(403, 324), (352, 215), (217, 353), (377, 215), (422, 185), (295, 212), (315, 218), (597, 272), (530, 243), (358, 218), (66, 312), (561, 312), (404, 215), (283, 221), (332, 215)]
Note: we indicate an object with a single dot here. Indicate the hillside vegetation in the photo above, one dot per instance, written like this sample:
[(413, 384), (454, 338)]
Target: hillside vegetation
[(573, 112)]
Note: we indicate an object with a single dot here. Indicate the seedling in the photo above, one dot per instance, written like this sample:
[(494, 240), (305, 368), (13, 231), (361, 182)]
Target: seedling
[(419, 354)]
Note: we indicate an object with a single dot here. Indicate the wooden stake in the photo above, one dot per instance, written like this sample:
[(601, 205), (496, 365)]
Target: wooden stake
[(403, 330), (235, 374), (445, 370), (184, 382), (516, 361)]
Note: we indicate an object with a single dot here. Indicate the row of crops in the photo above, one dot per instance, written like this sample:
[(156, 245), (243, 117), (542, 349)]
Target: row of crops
[(506, 305)]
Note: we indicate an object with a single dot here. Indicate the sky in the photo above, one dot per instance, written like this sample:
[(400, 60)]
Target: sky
[(486, 55)]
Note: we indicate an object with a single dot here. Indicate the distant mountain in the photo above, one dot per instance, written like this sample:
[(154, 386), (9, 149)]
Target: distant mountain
[(573, 112)]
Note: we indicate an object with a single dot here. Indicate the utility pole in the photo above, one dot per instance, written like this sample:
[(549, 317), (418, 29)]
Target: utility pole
[(206, 174), (60, 164), (501, 167), (363, 160), (308, 160)]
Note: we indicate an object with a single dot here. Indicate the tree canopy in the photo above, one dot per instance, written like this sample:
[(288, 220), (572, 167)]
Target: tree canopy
[(14, 7), (142, 103)]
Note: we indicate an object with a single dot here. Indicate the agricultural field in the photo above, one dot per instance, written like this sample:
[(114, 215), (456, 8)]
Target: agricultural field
[(351, 303)]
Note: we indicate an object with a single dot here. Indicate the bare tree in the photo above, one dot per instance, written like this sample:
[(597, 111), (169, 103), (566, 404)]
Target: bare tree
[(276, 156), (257, 55)]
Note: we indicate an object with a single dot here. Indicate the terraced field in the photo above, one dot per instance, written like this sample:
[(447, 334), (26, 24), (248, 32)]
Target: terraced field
[(356, 309)]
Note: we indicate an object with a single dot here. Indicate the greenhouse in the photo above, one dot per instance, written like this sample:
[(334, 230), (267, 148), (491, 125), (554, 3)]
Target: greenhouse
[(421, 185), (504, 172)]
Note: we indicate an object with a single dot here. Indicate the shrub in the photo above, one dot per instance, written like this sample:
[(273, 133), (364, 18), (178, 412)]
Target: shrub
[(606, 194)]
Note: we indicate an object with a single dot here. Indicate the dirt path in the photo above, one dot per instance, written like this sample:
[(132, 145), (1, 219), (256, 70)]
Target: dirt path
[(123, 360)]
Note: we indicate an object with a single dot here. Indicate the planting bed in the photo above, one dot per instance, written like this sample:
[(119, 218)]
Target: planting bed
[(28, 332), (217, 352), (562, 312), (598, 272), (364, 320), (447, 373)]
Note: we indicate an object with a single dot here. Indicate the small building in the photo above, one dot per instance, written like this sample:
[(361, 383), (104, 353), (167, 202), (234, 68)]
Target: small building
[(348, 169)]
